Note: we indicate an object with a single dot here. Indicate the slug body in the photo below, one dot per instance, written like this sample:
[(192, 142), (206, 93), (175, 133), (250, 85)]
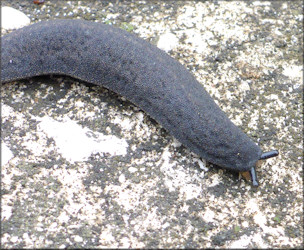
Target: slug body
[(145, 75)]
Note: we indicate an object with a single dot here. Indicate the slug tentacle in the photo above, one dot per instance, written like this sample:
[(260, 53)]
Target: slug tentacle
[(254, 177), (269, 154), (145, 75)]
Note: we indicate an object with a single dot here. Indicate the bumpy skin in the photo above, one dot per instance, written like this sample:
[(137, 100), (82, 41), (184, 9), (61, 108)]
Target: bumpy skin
[(145, 75)]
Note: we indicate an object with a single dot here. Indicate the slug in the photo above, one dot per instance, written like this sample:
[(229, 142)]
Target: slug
[(145, 75)]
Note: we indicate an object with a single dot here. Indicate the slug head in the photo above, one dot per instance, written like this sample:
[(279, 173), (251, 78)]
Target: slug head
[(251, 174)]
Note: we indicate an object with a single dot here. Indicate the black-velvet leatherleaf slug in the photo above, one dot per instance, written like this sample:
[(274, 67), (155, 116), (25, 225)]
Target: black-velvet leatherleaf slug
[(145, 75)]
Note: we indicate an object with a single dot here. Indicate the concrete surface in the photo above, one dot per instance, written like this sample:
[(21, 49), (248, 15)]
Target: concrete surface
[(82, 167)]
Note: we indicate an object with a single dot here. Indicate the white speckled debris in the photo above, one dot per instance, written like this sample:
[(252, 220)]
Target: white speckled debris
[(293, 71), (13, 19), (76, 143), (6, 154), (167, 42), (175, 179)]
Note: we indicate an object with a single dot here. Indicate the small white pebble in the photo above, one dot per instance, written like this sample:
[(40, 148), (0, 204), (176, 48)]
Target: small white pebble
[(132, 169), (176, 143), (78, 238), (202, 165), (167, 42), (14, 239), (245, 224), (122, 178), (40, 218), (6, 154), (13, 19)]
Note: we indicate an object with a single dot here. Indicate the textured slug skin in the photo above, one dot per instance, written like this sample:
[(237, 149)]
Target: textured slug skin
[(132, 67)]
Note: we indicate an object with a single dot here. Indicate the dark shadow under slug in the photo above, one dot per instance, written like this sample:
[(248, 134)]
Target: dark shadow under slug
[(145, 75)]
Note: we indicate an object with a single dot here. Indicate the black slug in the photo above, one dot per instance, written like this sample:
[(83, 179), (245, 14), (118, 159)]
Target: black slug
[(148, 77)]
